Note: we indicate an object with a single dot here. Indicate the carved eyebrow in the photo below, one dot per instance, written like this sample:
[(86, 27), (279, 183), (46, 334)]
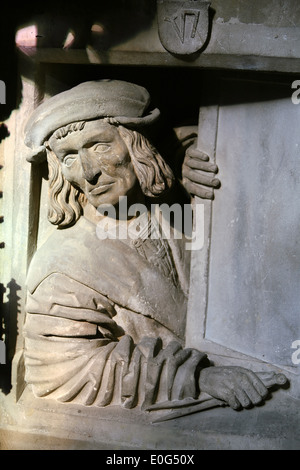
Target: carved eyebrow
[(69, 154), (92, 137), (69, 151), (89, 144)]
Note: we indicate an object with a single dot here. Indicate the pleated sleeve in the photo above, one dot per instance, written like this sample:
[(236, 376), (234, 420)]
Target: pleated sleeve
[(76, 352)]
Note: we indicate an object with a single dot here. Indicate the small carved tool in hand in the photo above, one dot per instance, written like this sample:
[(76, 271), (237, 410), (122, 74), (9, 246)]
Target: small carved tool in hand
[(269, 379)]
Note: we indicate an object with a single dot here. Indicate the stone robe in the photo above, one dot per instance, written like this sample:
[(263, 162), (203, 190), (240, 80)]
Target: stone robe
[(105, 320)]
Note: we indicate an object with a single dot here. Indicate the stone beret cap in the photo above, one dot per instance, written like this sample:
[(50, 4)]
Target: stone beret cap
[(125, 102)]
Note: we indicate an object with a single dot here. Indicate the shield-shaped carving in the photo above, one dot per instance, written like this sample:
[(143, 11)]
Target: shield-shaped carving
[(183, 25)]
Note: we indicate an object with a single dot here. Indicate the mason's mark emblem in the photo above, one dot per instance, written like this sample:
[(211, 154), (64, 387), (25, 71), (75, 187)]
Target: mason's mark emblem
[(183, 26)]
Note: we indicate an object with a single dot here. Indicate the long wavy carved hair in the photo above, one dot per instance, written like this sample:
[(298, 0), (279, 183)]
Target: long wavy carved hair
[(66, 202)]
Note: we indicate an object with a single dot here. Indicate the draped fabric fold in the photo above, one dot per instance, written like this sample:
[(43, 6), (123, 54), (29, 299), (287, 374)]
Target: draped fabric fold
[(84, 341)]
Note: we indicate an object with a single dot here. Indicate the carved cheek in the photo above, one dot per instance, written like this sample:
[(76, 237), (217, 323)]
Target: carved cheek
[(110, 164), (128, 176)]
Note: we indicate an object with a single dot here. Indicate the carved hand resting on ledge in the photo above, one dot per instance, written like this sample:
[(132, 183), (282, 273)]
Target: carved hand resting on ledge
[(105, 320)]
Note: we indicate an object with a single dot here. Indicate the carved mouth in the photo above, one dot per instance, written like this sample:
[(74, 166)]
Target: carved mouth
[(101, 189)]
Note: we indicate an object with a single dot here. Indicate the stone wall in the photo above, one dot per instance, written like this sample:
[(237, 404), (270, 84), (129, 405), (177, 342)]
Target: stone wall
[(241, 80)]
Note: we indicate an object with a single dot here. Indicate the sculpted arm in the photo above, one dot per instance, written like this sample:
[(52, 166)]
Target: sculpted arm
[(75, 351)]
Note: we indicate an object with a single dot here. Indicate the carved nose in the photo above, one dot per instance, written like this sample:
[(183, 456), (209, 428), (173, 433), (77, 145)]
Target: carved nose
[(91, 171)]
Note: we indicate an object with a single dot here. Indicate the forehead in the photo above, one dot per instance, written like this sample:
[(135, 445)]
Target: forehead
[(93, 131)]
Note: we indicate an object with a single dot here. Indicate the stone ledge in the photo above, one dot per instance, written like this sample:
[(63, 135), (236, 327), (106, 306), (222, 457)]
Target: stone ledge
[(211, 61), (44, 424)]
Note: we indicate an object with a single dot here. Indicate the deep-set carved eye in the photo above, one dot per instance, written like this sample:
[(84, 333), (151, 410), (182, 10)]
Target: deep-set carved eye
[(69, 159), (101, 147)]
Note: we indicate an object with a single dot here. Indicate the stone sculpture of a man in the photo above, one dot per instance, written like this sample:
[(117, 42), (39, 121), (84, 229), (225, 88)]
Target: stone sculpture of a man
[(105, 319)]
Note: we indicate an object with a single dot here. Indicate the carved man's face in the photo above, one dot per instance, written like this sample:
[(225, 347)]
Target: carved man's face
[(96, 160)]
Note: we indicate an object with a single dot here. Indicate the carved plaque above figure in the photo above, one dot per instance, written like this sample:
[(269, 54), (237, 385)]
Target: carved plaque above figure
[(183, 26)]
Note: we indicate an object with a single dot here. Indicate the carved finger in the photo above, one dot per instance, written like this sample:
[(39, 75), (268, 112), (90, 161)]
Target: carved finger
[(197, 176), (193, 152), (255, 397), (242, 397), (250, 388), (196, 189), (200, 165), (257, 383), (232, 401)]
